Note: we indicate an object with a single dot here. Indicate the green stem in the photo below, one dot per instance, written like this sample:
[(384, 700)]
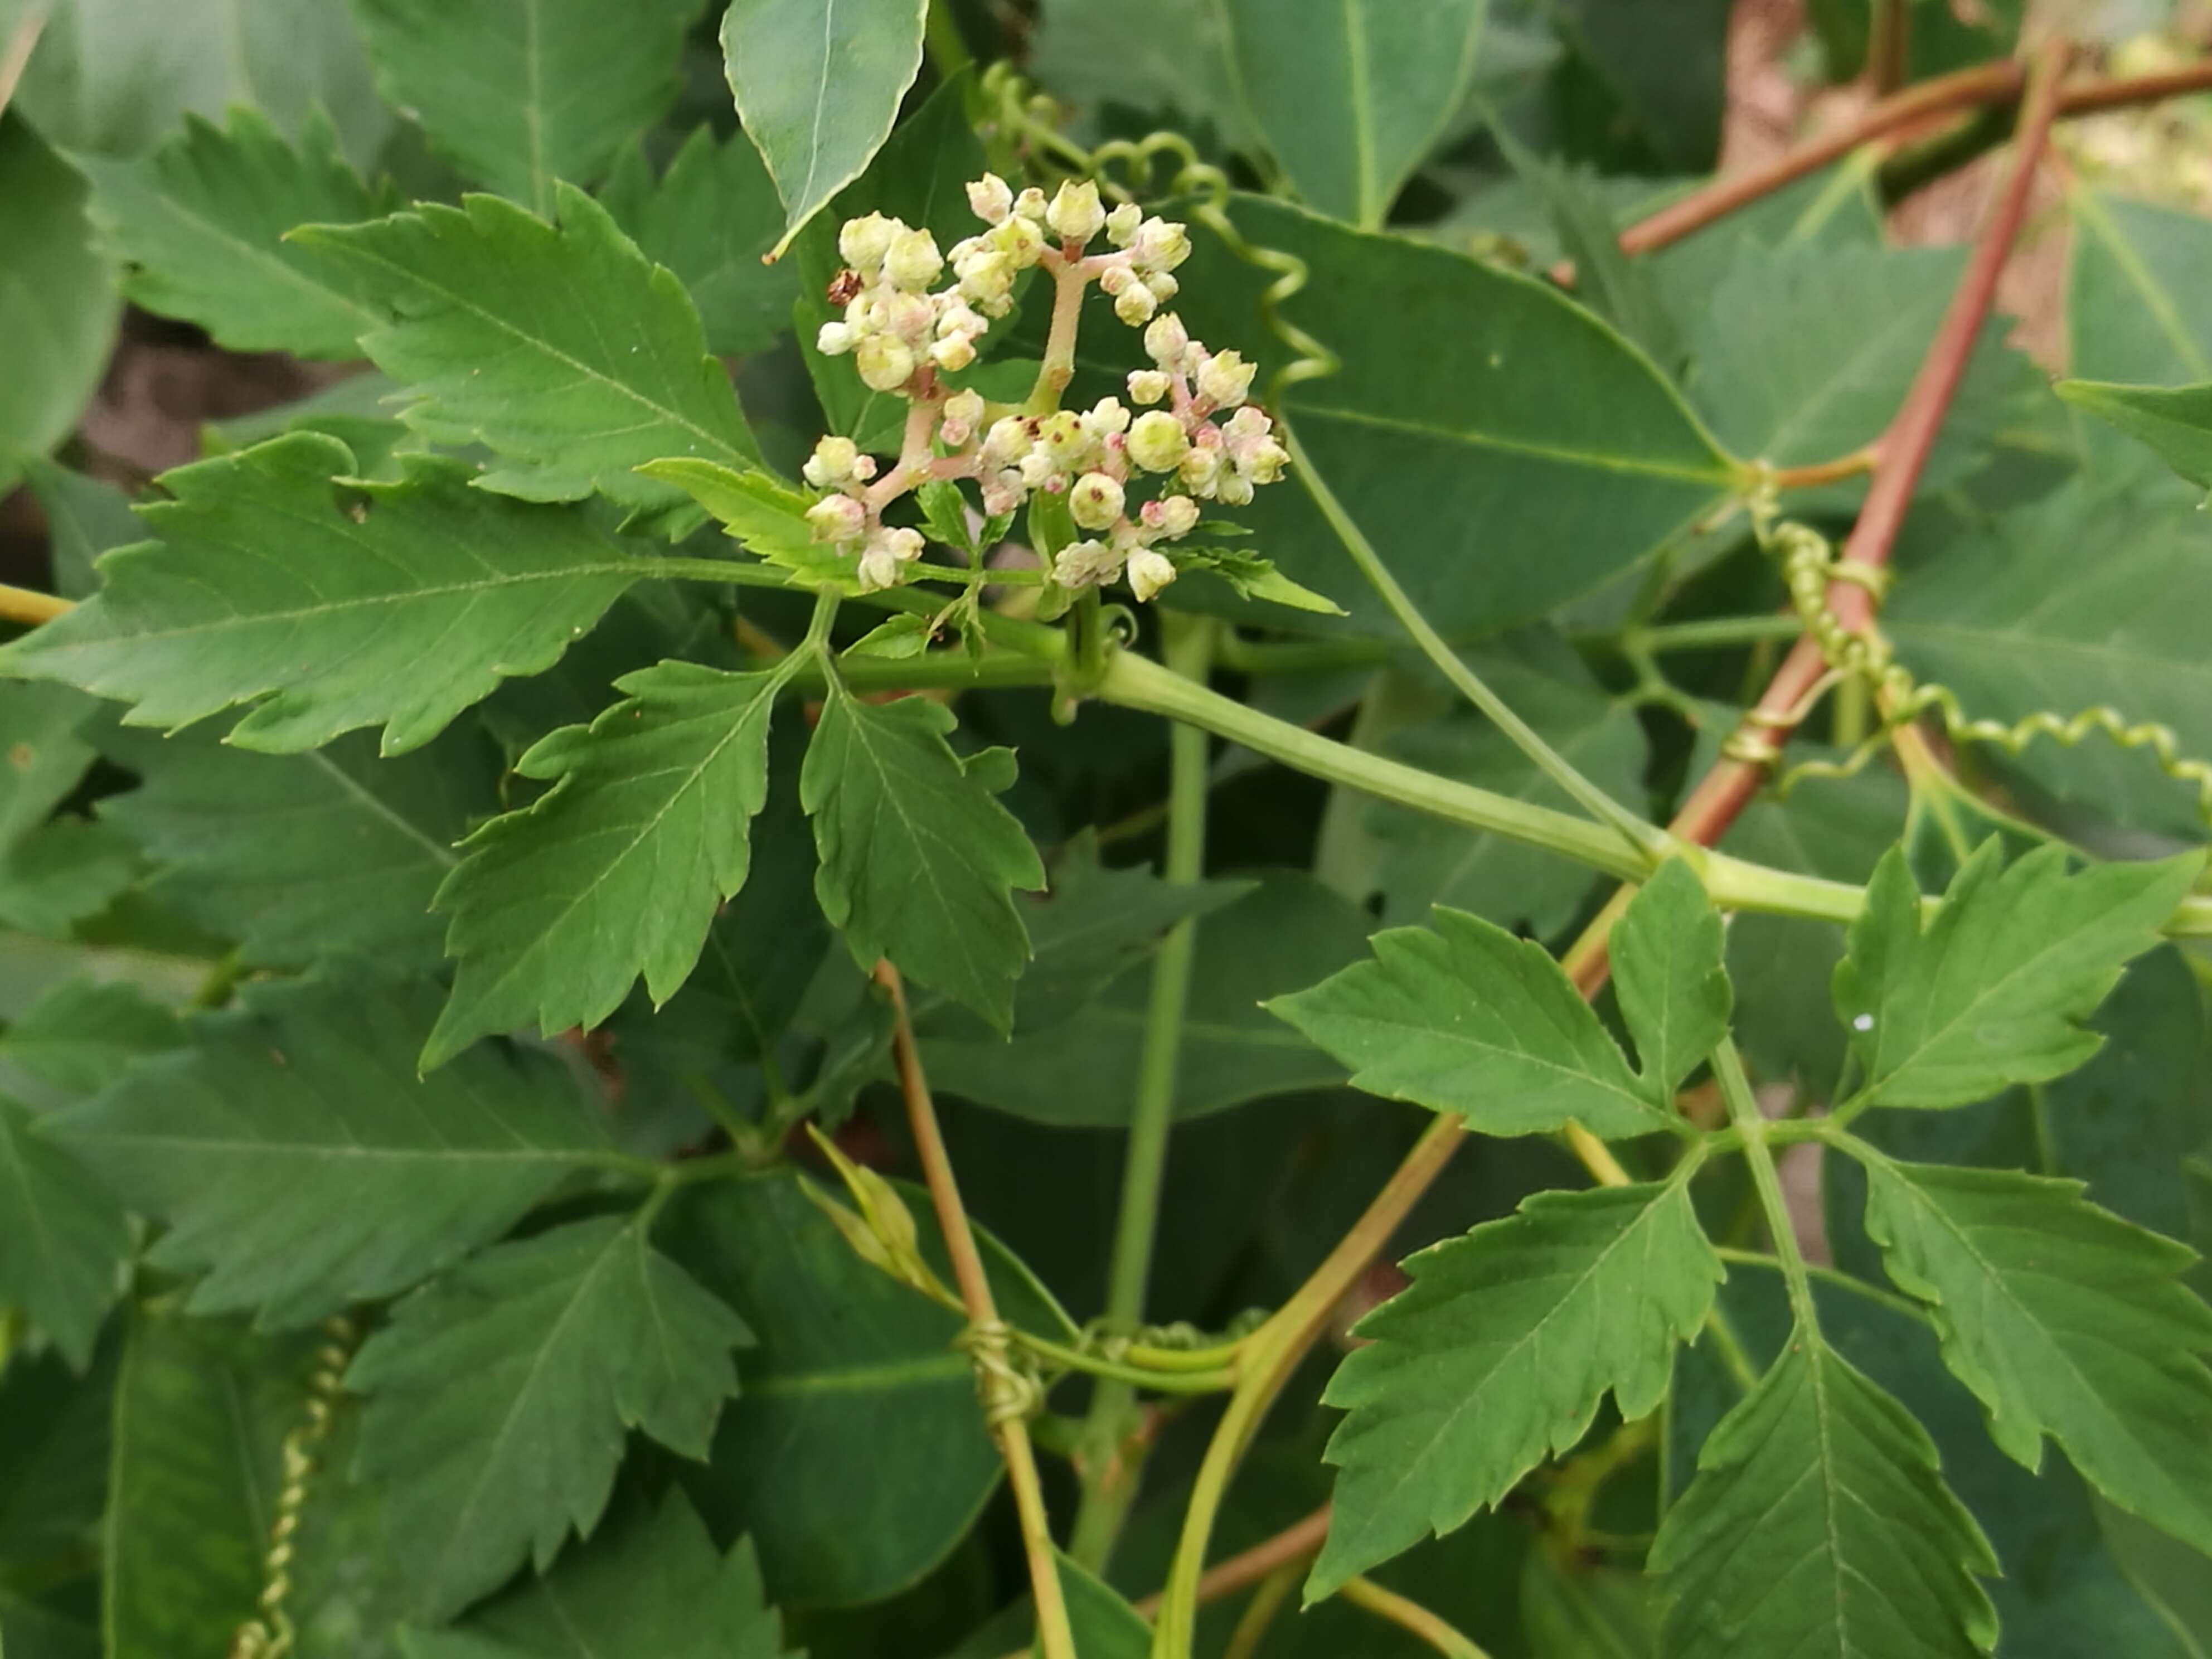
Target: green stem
[(1411, 1617), (1751, 1123), (1110, 1481), (1842, 1281), (948, 52), (1642, 837), (1216, 1381), (1708, 632)]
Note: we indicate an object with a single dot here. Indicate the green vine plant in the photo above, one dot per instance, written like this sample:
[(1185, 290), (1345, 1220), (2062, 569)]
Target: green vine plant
[(1167, 871)]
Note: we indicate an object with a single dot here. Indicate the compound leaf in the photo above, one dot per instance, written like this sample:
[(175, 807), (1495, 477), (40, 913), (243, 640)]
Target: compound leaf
[(328, 606), (559, 346), (817, 85), (522, 92), (616, 870), (57, 301), (499, 1396), (1671, 976), (918, 858), (1463, 1017), (296, 1159), (62, 1236), (81, 1035), (199, 227), (1500, 1351), (2064, 1319), (1820, 1524), (1994, 989), (1352, 95)]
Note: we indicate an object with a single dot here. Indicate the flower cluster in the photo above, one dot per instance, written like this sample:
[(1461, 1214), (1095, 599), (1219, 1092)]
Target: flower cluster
[(1205, 441)]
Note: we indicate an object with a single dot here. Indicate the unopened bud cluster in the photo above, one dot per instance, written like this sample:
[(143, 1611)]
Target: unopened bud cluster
[(1199, 438)]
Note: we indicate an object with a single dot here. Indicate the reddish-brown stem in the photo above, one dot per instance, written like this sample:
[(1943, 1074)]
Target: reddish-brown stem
[(1902, 452), (1293, 1544)]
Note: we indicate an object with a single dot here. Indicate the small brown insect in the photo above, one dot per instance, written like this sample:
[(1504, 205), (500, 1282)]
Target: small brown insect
[(843, 288)]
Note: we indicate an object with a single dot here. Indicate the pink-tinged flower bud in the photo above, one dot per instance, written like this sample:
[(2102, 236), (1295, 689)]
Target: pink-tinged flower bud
[(912, 316), (1173, 516), (1149, 386), (1161, 286), (1158, 443), (1225, 379), (1149, 572), (990, 198), (957, 319), (952, 355), (1203, 465), (1136, 305), (1003, 492), (1160, 245), (1115, 279), (1007, 442), (833, 462), (884, 361), (836, 518), (963, 410), (1095, 501), (1086, 564), (1076, 213), (1122, 224), (834, 340), (886, 550), (1167, 343), (863, 243), (913, 261)]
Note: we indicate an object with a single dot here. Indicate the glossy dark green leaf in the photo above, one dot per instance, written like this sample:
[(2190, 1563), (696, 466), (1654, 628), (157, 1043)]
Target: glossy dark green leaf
[(1502, 450), (394, 604), (198, 227), (1082, 1070), (817, 87), (57, 303), (500, 1396), (1351, 95), (298, 1160), (1499, 1352), (842, 1510), (558, 346), (522, 92)]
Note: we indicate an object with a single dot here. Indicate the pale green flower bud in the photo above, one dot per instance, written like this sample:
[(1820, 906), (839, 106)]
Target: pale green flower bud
[(1167, 343), (1030, 205), (1135, 304), (987, 279), (863, 243), (952, 354), (1096, 501), (963, 410), (1086, 564), (1007, 442), (1172, 516), (833, 462), (1158, 443), (836, 518), (1019, 239), (913, 261), (885, 362), (1162, 287), (912, 316), (1122, 224), (1149, 572), (886, 550), (1105, 419), (1076, 213), (1225, 379), (1063, 443), (1149, 386), (990, 198), (1202, 465), (1160, 245)]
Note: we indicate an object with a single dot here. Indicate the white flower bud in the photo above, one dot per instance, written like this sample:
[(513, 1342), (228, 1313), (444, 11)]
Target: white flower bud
[(1036, 470), (912, 316), (1160, 245), (1105, 419), (1115, 279), (952, 355), (834, 340), (1202, 465), (1172, 516), (863, 243), (905, 544), (1225, 379), (1003, 492), (1167, 343), (1162, 287), (963, 410), (878, 568), (832, 463), (987, 280), (1158, 443), (1030, 205), (1086, 564), (1076, 213), (1136, 305), (1007, 442), (885, 362), (1149, 386), (1122, 224), (913, 262), (1096, 501), (1149, 572), (1019, 239), (957, 319), (990, 198), (837, 519)]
